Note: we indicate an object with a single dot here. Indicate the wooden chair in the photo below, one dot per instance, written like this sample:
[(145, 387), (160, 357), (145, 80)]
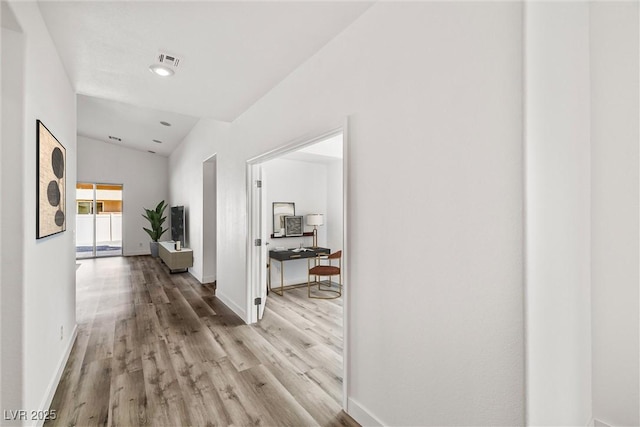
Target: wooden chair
[(325, 270)]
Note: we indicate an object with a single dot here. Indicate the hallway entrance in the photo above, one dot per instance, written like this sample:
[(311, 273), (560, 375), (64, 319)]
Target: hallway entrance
[(304, 181)]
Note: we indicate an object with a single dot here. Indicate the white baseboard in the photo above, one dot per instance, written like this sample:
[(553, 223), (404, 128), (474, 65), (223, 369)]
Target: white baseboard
[(232, 305), (53, 385), (362, 415), (136, 253), (208, 279), (194, 275)]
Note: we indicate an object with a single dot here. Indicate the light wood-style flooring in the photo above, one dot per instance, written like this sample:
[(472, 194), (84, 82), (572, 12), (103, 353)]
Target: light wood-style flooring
[(161, 350)]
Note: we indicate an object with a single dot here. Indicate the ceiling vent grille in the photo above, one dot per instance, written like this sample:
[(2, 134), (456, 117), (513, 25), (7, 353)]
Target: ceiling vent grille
[(168, 60)]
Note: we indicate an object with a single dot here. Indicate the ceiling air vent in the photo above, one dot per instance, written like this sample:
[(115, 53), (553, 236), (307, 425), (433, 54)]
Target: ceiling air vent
[(115, 138), (168, 60)]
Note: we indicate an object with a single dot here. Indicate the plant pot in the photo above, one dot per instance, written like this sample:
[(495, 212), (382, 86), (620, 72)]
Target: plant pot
[(154, 249)]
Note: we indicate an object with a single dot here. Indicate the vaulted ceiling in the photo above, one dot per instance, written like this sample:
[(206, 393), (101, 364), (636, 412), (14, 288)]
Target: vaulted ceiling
[(231, 54)]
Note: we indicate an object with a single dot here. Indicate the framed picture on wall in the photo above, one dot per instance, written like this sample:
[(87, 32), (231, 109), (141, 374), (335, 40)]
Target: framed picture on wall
[(280, 210), (293, 226), (51, 188)]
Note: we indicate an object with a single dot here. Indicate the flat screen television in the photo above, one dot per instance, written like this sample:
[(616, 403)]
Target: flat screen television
[(177, 224)]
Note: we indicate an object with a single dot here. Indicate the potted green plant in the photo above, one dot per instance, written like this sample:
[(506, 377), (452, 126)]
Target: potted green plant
[(156, 219)]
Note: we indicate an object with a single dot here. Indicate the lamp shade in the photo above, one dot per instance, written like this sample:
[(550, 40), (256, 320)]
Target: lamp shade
[(315, 219)]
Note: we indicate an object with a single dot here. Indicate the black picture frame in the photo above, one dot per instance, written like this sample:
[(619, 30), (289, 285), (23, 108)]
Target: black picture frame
[(293, 226), (51, 183)]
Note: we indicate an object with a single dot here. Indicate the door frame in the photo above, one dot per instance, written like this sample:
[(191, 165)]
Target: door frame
[(213, 159), (95, 213), (254, 253), (254, 263)]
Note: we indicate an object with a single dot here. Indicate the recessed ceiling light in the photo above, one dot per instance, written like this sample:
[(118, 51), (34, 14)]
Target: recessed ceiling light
[(157, 142), (165, 123), (161, 70), (152, 152)]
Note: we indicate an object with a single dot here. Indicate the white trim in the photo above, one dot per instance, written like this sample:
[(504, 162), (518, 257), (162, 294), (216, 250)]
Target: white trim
[(208, 279), (250, 270), (213, 159), (252, 290), (194, 275), (345, 266), (53, 385), (252, 261), (137, 253), (296, 144), (525, 224), (232, 305), (362, 415), (598, 423)]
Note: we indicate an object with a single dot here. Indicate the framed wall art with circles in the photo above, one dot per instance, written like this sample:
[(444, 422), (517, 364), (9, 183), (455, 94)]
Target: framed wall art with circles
[(51, 188)]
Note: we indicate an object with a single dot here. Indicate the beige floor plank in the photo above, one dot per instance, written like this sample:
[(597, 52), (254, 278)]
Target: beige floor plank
[(290, 341), (314, 327), (237, 399), (128, 400), (148, 327), (200, 308), (328, 381), (156, 291), (327, 313), (100, 345), (268, 393), (237, 352), (306, 392), (126, 353), (204, 403), (203, 346), (332, 361), (93, 396), (165, 403)]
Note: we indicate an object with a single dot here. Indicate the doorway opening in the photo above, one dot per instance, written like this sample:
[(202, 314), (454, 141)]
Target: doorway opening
[(308, 178), (209, 220), (98, 220)]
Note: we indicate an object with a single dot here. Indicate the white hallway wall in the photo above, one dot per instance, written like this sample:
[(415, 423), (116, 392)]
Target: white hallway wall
[(11, 244), (434, 96), (145, 180), (186, 175), (615, 211), (558, 214), (369, 124), (47, 279), (408, 146), (583, 315)]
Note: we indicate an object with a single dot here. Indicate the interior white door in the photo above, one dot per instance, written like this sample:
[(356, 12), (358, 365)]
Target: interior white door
[(264, 248), (258, 261)]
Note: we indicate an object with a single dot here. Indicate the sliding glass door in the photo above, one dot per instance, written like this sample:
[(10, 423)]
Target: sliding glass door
[(98, 220)]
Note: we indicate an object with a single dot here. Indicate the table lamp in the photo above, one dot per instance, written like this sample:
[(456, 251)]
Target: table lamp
[(315, 220)]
